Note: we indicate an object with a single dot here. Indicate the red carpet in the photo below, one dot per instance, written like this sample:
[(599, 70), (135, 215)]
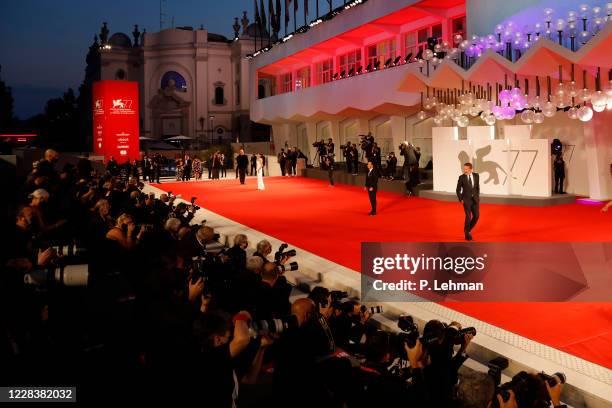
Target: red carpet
[(332, 222)]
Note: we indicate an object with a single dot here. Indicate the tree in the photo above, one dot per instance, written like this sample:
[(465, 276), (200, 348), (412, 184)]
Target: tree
[(6, 105)]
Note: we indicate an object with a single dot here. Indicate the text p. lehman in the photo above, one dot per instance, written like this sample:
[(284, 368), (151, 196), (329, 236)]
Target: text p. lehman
[(423, 284)]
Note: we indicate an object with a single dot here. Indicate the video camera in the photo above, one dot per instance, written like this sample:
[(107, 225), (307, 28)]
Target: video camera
[(366, 142)]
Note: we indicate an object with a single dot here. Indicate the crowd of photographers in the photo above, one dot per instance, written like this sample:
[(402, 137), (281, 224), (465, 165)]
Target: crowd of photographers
[(120, 293)]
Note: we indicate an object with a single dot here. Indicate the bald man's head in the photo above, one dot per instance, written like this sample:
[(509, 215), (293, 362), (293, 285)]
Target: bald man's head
[(51, 155), (304, 309), (205, 235), (269, 273)]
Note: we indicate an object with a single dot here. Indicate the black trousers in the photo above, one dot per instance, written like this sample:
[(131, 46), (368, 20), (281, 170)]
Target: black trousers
[(282, 166), (242, 174), (559, 178), (472, 212), (356, 166), (330, 174), (252, 169), (372, 196), (294, 168)]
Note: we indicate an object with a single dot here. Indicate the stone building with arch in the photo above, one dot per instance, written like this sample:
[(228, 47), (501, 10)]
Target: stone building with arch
[(192, 82)]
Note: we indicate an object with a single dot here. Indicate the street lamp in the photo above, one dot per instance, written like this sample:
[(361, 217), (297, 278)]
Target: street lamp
[(212, 128)]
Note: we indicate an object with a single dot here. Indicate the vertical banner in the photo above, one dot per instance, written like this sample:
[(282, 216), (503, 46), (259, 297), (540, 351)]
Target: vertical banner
[(115, 120)]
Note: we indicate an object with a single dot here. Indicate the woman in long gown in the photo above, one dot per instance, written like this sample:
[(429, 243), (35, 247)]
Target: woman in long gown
[(260, 183)]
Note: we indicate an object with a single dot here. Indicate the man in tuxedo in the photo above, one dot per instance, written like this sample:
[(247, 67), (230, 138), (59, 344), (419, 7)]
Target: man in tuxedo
[(468, 193), (242, 162), (372, 185)]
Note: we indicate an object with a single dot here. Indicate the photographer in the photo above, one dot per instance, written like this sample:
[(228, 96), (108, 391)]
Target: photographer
[(348, 325), (441, 373), (184, 213), (123, 232), (282, 159), (271, 294), (220, 348), (329, 166), (391, 166), (237, 254)]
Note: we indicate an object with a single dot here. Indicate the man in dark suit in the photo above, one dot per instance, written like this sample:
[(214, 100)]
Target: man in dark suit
[(242, 162), (372, 185), (468, 193)]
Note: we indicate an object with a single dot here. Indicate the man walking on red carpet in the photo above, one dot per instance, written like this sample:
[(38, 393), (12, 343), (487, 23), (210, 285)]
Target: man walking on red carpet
[(468, 193), (372, 186)]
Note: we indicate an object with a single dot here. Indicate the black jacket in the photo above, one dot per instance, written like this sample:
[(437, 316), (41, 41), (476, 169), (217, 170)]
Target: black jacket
[(242, 161), (372, 179), (465, 192)]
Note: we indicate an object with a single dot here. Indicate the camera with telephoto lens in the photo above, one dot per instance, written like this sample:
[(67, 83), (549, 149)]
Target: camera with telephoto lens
[(64, 271), (272, 326), (371, 309), (524, 384), (496, 366), (409, 331), (199, 270), (366, 142), (319, 144), (281, 253), (193, 200)]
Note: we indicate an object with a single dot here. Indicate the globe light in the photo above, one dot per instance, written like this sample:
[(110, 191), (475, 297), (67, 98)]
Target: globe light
[(549, 109), (571, 16), (428, 54), (438, 48), (596, 11), (585, 114), (453, 53), (572, 113), (464, 44), (534, 101), (548, 13), (509, 113), (498, 111), (597, 24), (490, 120), (584, 95), (463, 121), (505, 96), (499, 46), (438, 120), (427, 103), (474, 111), (457, 38), (538, 117), (527, 116), (572, 89), (584, 37), (583, 9), (422, 115), (538, 27), (599, 100), (560, 24)]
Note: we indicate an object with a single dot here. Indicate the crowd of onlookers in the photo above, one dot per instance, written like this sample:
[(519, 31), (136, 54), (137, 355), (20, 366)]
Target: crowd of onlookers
[(120, 293)]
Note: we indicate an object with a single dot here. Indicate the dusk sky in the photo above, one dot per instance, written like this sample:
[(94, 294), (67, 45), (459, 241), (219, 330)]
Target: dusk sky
[(43, 43)]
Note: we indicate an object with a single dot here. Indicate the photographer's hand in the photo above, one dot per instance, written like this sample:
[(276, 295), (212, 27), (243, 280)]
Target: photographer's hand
[(195, 289), (511, 401), (467, 338), (328, 310), (555, 392), (284, 260), (44, 257), (415, 354)]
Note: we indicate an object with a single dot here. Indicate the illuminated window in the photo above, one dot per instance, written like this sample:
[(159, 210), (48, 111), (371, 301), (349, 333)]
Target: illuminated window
[(458, 26), (179, 82), (415, 41), (381, 52), (324, 71), (302, 79), (286, 83), (351, 60)]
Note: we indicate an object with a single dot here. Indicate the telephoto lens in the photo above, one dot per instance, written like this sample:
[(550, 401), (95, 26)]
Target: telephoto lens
[(272, 326), (371, 309)]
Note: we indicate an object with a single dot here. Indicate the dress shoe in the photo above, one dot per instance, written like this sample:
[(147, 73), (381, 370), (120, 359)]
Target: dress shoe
[(470, 237)]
